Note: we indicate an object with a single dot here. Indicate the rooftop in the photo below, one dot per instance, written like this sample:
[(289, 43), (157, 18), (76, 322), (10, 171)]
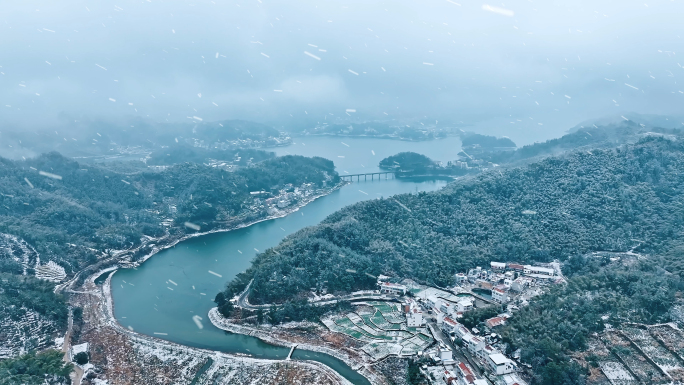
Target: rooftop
[(499, 359)]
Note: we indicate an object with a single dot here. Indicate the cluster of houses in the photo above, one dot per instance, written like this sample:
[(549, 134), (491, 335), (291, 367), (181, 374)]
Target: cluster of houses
[(505, 279), (479, 347), (286, 197)]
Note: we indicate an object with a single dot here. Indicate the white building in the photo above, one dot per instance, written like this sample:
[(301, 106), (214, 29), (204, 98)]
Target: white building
[(464, 305), (445, 353), (461, 331), (500, 364), (486, 352), (449, 377), (448, 309), (473, 343), (449, 325), (519, 284), (414, 317), (433, 302), (499, 295), (392, 288), (461, 278), (529, 270), (498, 266)]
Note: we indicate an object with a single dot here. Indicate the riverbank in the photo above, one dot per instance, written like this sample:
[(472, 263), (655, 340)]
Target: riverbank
[(119, 355), (281, 213), (107, 316), (123, 258), (321, 341), (389, 137)]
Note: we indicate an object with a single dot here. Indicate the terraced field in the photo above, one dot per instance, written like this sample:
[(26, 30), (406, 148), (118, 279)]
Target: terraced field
[(382, 326)]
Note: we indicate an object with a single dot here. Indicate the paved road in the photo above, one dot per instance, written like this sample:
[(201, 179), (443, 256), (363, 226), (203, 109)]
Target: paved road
[(458, 353), (243, 303), (77, 374)]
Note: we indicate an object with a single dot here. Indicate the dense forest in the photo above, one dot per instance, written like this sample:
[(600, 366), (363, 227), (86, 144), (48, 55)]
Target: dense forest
[(77, 209), (609, 136), (407, 161), (553, 209), (186, 153), (19, 293), (411, 164), (471, 139), (35, 369), (562, 320)]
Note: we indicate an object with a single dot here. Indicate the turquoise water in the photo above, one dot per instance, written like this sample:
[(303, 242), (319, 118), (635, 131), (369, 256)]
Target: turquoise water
[(163, 294)]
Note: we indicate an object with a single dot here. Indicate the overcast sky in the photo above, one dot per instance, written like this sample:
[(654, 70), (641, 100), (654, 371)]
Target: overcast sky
[(526, 69)]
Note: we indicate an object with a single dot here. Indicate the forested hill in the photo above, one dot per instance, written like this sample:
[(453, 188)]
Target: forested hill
[(72, 213), (607, 136), (407, 161), (603, 199)]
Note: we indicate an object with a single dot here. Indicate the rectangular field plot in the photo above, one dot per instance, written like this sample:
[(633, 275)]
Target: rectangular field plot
[(671, 338), (383, 327), (381, 350), (655, 351), (617, 373), (636, 362)]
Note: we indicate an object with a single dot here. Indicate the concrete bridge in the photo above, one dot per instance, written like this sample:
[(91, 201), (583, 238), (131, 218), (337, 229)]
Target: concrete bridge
[(289, 356), (387, 174)]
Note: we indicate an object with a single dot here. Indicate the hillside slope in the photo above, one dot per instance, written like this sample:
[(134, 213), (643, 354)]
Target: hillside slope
[(609, 199)]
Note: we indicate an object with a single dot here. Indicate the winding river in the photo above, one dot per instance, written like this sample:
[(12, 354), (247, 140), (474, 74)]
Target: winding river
[(160, 297)]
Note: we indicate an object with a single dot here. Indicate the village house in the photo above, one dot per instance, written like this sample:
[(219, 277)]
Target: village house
[(449, 325), (520, 283), (464, 305), (460, 278), (516, 267), (448, 309), (536, 270), (461, 331), (497, 266), (499, 295), (467, 377), (432, 302), (486, 352), (500, 364), (495, 321), (484, 284), (445, 353), (414, 316), (473, 344), (450, 377), (392, 288)]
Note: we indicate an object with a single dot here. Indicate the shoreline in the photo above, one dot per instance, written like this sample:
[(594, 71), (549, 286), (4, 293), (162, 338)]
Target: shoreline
[(239, 226), (115, 261), (358, 366), (111, 320), (389, 137)]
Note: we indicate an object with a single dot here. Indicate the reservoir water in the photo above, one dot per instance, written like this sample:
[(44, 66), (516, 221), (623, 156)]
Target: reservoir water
[(164, 293)]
